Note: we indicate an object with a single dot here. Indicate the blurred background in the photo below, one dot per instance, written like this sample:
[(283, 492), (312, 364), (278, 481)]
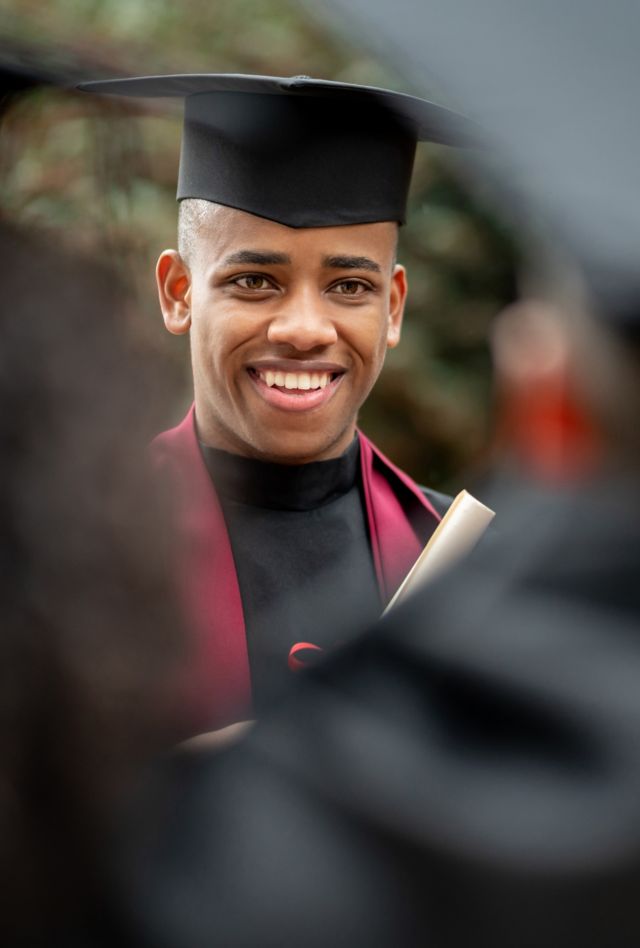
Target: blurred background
[(99, 176)]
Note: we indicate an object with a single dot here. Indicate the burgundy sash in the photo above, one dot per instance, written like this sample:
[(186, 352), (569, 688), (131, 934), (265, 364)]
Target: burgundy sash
[(206, 571)]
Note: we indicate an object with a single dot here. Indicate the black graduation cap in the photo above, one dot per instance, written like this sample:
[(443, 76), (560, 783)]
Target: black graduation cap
[(300, 151), (554, 85)]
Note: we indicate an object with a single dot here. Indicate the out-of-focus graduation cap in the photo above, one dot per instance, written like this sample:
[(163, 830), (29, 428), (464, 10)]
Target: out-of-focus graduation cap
[(555, 85), (25, 68), (300, 151)]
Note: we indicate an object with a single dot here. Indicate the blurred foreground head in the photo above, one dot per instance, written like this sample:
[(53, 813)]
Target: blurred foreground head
[(88, 636)]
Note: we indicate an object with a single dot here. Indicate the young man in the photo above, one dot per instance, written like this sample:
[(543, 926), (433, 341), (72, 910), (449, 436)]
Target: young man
[(286, 280)]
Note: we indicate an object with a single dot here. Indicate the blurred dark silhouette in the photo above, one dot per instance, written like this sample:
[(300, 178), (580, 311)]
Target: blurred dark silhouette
[(90, 643)]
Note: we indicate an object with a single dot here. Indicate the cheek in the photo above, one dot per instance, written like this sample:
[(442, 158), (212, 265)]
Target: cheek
[(211, 324), (222, 334), (201, 337), (207, 349), (368, 338)]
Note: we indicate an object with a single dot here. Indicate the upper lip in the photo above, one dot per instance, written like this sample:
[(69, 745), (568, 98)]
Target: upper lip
[(296, 365)]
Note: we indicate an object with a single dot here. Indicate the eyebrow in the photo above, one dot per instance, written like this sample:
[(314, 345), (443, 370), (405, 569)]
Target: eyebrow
[(270, 258), (260, 258), (351, 263)]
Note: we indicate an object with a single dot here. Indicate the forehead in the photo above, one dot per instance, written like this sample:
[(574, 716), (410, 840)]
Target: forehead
[(222, 231)]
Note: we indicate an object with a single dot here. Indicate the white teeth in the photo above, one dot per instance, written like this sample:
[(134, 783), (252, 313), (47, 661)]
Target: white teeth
[(301, 381)]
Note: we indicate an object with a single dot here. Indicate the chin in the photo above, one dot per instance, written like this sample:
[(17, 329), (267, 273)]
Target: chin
[(296, 450)]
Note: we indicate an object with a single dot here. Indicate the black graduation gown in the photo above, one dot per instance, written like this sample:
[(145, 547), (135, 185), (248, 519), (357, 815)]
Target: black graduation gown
[(301, 548)]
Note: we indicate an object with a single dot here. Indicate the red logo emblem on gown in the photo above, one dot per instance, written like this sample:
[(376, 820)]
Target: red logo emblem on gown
[(301, 655)]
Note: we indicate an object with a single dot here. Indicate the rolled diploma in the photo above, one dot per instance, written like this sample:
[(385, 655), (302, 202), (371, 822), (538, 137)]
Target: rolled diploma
[(457, 533)]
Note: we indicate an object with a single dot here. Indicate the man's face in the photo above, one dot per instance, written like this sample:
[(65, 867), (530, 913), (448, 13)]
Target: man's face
[(289, 329)]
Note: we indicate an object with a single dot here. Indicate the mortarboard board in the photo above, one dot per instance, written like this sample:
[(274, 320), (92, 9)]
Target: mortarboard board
[(303, 152), (554, 86)]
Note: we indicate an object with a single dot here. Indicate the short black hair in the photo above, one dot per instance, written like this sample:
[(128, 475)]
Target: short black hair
[(191, 215)]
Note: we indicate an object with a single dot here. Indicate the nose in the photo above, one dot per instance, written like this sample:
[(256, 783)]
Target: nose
[(302, 323)]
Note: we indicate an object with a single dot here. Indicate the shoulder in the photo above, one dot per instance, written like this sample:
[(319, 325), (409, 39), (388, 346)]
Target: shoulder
[(441, 502)]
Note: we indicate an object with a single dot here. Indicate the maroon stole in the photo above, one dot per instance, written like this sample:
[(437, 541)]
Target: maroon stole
[(207, 575)]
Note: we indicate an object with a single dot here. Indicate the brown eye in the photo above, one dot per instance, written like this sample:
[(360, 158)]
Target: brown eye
[(350, 288), (252, 281)]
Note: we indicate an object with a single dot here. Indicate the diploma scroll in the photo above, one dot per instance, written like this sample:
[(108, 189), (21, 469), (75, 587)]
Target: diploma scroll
[(457, 533)]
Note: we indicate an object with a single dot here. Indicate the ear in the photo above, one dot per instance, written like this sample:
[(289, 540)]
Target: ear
[(397, 297), (174, 290)]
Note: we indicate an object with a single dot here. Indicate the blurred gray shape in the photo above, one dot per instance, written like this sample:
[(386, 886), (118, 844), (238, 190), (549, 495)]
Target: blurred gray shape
[(554, 84)]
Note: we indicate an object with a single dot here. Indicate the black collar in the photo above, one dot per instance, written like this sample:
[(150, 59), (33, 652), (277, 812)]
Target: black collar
[(282, 486)]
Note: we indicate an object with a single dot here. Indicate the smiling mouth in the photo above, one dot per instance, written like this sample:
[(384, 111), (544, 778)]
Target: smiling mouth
[(294, 381), (295, 391)]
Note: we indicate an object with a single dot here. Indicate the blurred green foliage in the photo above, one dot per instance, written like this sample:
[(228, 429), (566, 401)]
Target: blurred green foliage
[(101, 176)]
